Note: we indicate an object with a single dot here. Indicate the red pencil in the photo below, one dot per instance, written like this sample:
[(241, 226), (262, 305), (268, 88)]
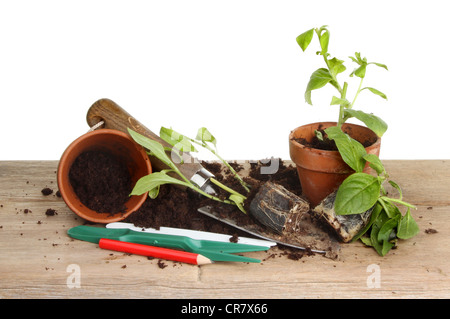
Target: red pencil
[(151, 251)]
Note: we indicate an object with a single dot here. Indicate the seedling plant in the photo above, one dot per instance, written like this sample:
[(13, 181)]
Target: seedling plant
[(360, 191), (181, 143)]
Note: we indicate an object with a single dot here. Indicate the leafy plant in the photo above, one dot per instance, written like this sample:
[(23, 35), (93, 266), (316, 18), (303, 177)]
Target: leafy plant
[(205, 139), (152, 182), (360, 191), (328, 75)]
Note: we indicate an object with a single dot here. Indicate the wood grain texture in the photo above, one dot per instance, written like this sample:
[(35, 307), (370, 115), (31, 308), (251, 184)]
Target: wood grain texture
[(38, 258)]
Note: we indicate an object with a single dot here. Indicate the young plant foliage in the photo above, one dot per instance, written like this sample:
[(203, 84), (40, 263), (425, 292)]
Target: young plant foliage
[(360, 191), (334, 67), (152, 182), (204, 139)]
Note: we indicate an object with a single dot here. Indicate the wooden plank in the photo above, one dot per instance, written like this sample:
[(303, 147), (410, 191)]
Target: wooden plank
[(39, 259), (423, 182)]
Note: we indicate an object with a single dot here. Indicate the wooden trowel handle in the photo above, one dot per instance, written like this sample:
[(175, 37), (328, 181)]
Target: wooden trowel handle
[(115, 117)]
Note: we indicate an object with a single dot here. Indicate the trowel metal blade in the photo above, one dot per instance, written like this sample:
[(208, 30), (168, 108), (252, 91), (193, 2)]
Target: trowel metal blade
[(206, 210)]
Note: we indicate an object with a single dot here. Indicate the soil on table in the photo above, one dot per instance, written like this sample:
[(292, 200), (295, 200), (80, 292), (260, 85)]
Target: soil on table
[(177, 207), (101, 181)]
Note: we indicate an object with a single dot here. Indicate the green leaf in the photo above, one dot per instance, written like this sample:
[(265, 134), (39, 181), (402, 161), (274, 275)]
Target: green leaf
[(373, 122), (153, 180), (360, 72), (351, 151), (375, 91), (397, 187), (338, 101), (155, 148), (336, 66), (391, 210), (318, 79), (407, 226), (205, 136), (324, 38), (380, 65), (387, 246), (375, 163), (382, 247), (373, 217), (154, 192), (177, 140), (358, 59), (239, 201), (388, 227), (305, 38), (366, 241), (353, 59), (319, 135), (374, 239), (357, 194)]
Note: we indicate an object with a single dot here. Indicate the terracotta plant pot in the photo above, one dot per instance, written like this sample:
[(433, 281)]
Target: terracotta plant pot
[(118, 144), (321, 172)]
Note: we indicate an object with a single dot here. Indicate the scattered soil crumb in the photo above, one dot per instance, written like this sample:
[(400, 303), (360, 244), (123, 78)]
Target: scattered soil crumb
[(430, 231), (290, 253), (234, 238), (161, 264), (46, 191), (51, 212), (270, 256)]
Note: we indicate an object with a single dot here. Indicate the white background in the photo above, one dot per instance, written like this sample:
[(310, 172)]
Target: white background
[(233, 66)]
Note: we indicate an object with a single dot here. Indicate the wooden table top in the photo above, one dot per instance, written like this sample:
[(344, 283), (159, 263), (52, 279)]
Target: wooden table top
[(39, 260)]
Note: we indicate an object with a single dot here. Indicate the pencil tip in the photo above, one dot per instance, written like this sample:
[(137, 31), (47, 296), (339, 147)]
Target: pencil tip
[(202, 260)]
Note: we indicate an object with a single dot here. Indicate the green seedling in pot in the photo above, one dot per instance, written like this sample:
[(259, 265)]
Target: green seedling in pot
[(360, 191), (152, 182), (328, 75)]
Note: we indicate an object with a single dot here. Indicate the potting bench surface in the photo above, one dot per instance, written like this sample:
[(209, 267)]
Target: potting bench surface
[(39, 260)]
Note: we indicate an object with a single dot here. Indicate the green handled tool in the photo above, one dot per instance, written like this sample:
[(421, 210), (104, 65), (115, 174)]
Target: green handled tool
[(214, 250)]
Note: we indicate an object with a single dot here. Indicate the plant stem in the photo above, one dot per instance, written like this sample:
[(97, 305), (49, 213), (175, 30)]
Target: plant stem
[(341, 107), (244, 184), (357, 92), (398, 201), (337, 86), (342, 91), (226, 188), (210, 196), (199, 190)]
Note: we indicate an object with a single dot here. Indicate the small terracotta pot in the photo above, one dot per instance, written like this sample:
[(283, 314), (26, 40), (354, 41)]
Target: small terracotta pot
[(321, 172), (120, 145)]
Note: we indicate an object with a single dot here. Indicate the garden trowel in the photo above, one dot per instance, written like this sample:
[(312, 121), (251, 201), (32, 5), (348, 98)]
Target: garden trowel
[(310, 238)]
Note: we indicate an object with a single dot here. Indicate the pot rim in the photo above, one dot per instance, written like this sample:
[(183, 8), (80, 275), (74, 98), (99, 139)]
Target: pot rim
[(328, 124), (322, 171), (65, 189)]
